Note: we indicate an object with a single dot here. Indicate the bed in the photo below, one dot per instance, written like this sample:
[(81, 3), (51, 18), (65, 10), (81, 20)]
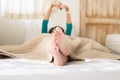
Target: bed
[(90, 69)]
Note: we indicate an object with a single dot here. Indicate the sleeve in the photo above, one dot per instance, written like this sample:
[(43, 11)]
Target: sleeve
[(44, 26), (68, 29)]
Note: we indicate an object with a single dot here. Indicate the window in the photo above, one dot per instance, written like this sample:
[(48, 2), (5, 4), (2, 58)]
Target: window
[(16, 9)]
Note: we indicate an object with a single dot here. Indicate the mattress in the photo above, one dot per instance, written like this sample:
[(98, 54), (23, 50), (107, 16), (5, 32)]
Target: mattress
[(95, 69)]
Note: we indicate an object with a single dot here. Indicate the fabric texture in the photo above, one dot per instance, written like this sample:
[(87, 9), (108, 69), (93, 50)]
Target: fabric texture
[(18, 9), (113, 43), (44, 26), (81, 48), (68, 29)]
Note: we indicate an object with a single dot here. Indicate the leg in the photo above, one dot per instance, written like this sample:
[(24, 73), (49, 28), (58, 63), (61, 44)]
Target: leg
[(59, 59), (59, 38)]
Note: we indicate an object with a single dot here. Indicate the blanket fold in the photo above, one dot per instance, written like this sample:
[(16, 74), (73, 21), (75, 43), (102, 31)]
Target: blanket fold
[(81, 48)]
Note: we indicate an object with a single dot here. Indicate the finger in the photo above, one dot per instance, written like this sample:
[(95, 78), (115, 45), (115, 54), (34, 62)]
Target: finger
[(60, 3), (59, 30)]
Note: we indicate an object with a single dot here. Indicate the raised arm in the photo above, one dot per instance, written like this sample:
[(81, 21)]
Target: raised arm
[(47, 16), (68, 22), (45, 20), (68, 19)]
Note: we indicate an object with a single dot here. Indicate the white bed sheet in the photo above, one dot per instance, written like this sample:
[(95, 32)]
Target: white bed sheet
[(96, 69)]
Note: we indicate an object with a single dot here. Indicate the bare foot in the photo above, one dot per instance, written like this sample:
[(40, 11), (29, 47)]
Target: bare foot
[(59, 59), (58, 38)]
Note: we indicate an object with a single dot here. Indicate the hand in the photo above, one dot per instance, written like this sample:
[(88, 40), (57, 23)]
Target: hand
[(63, 6), (56, 5), (60, 6)]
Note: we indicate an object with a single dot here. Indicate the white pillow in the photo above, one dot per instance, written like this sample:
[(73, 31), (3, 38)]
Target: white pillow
[(113, 42)]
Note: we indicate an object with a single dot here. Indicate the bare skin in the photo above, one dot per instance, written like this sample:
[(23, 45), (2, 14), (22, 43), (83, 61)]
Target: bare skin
[(57, 49), (59, 38), (59, 59), (59, 6)]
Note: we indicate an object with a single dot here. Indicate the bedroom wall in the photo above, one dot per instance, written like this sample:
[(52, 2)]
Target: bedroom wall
[(18, 31)]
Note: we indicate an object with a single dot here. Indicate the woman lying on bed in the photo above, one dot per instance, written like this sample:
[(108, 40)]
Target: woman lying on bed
[(54, 46), (57, 49), (58, 46)]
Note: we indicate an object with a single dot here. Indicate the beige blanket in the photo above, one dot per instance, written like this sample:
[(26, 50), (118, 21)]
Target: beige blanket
[(81, 48)]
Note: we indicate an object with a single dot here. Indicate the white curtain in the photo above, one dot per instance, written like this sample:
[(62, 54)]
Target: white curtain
[(17, 9)]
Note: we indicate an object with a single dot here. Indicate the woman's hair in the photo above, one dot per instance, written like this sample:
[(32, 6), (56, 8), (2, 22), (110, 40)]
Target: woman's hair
[(52, 29)]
